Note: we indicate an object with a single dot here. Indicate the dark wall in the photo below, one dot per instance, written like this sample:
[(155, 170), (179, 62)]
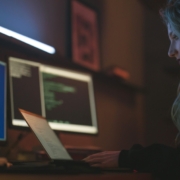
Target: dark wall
[(43, 20)]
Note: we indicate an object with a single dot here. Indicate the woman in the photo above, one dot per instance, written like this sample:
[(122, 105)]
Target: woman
[(158, 158)]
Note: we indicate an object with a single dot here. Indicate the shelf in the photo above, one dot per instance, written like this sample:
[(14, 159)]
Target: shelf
[(12, 47)]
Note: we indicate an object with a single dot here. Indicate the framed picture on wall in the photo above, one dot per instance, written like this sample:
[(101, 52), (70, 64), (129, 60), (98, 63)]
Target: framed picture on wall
[(84, 34)]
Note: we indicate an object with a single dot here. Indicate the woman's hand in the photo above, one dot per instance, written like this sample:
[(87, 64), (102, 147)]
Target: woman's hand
[(106, 159), (4, 162)]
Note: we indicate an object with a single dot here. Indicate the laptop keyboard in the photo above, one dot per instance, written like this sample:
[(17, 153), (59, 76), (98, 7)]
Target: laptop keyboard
[(46, 168)]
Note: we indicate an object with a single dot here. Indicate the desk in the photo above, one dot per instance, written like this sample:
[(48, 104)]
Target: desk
[(104, 176)]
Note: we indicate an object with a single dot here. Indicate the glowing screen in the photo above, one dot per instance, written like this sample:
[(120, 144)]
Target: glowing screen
[(25, 85), (2, 101)]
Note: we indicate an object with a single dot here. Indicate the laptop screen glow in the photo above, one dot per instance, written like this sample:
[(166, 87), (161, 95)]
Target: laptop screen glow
[(46, 136)]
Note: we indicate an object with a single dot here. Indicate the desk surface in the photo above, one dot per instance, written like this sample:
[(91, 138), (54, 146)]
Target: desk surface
[(104, 176)]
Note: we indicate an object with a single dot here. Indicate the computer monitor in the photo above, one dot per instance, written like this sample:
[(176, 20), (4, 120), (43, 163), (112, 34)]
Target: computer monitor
[(25, 89), (3, 89), (63, 96), (69, 100)]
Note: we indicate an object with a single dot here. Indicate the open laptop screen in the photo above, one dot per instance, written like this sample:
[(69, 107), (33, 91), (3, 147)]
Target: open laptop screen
[(46, 136)]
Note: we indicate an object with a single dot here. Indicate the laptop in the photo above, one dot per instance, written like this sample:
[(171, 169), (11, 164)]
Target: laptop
[(60, 160)]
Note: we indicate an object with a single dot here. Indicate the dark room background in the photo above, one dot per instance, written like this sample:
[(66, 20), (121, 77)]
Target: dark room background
[(131, 36)]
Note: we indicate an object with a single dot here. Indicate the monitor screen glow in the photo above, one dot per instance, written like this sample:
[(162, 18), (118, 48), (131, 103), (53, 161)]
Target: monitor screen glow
[(25, 89), (69, 100), (3, 88)]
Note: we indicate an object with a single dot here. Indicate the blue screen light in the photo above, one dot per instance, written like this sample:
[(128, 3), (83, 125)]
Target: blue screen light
[(2, 101)]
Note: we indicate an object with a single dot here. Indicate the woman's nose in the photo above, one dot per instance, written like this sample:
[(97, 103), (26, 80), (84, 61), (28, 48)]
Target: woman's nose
[(172, 51)]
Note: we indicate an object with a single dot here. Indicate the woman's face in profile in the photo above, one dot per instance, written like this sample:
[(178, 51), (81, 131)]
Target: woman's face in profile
[(174, 49)]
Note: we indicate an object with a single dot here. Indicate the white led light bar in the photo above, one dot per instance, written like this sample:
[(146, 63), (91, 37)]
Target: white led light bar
[(27, 40)]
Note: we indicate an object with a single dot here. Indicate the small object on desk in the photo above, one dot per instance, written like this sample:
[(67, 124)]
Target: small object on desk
[(118, 72)]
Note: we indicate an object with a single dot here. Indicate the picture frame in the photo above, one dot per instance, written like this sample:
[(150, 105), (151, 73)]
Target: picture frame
[(84, 36)]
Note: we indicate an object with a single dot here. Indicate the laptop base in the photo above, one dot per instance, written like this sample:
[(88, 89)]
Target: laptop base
[(57, 166)]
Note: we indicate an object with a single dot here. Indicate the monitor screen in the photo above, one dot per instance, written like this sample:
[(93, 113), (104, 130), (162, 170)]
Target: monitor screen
[(63, 96), (3, 124), (69, 100), (25, 89)]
